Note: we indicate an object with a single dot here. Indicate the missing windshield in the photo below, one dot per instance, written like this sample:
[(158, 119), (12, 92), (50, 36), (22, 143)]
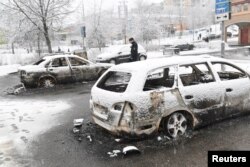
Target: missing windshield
[(115, 81)]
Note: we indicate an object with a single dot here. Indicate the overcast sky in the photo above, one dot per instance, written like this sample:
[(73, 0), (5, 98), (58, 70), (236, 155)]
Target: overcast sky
[(109, 4)]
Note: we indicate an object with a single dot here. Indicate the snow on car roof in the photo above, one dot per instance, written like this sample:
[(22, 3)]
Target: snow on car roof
[(66, 55), (151, 64)]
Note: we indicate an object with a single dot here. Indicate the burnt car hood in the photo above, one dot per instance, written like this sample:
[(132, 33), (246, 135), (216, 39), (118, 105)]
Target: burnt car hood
[(29, 68)]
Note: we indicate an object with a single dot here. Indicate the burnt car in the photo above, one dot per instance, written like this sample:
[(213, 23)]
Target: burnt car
[(175, 95), (183, 47), (52, 70), (117, 54)]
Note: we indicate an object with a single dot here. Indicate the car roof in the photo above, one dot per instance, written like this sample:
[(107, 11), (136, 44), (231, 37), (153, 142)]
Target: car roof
[(151, 64), (65, 55)]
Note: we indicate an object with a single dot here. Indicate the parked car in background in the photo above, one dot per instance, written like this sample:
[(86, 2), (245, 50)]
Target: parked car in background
[(117, 54), (52, 70), (174, 94), (183, 47), (81, 53)]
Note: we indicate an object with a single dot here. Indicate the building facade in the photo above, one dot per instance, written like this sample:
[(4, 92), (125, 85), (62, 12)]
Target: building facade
[(240, 16)]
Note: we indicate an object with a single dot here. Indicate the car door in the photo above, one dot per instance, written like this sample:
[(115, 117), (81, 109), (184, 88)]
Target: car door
[(236, 86), (82, 70), (59, 68), (201, 92), (124, 54), (160, 95)]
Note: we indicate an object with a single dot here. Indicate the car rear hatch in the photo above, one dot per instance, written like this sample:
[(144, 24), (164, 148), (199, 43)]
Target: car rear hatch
[(108, 97)]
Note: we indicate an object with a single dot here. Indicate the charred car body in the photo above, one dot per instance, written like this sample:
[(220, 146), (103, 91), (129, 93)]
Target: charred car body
[(52, 70), (174, 94)]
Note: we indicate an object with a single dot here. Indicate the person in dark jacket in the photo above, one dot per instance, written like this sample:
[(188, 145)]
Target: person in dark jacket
[(134, 50)]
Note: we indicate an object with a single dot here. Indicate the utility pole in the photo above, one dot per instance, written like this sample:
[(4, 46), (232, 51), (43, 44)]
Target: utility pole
[(123, 15), (222, 39), (83, 33), (180, 17)]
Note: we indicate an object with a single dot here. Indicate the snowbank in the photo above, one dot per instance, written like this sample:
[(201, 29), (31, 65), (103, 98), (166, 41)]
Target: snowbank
[(5, 70), (22, 120), (23, 58)]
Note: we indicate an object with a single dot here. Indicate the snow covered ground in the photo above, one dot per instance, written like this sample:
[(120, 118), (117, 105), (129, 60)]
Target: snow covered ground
[(22, 120), (20, 57), (7, 69)]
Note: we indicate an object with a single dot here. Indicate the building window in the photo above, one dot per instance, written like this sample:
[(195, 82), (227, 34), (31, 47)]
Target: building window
[(233, 9), (245, 7), (239, 8)]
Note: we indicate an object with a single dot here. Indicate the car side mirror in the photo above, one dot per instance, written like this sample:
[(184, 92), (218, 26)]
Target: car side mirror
[(119, 53)]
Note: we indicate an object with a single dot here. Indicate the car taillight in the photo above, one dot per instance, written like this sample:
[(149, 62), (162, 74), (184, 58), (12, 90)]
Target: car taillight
[(128, 114)]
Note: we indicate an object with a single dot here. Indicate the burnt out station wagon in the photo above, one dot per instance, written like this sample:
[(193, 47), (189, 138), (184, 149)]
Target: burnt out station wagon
[(173, 94), (52, 70)]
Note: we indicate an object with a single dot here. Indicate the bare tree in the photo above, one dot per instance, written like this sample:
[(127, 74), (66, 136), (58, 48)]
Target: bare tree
[(45, 15)]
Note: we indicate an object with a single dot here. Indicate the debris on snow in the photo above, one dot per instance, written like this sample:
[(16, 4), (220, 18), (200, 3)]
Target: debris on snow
[(76, 130), (78, 122), (16, 89), (166, 137), (159, 138), (89, 137), (130, 150), (114, 153), (117, 140)]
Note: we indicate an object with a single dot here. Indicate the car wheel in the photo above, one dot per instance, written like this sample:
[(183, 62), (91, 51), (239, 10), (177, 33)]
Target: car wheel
[(112, 61), (47, 82), (142, 58), (176, 125)]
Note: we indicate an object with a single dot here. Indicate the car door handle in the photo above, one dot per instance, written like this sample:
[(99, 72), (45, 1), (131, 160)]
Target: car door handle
[(188, 97), (50, 69), (229, 90)]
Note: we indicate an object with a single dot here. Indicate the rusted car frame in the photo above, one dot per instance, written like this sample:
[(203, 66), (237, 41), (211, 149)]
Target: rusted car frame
[(57, 69)]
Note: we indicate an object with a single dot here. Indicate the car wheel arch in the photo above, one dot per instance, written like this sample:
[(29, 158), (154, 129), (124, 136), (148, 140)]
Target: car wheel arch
[(188, 114)]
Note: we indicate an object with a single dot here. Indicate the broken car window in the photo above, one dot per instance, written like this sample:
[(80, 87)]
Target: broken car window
[(76, 62), (59, 62), (39, 62), (228, 72), (115, 81), (159, 78), (194, 74)]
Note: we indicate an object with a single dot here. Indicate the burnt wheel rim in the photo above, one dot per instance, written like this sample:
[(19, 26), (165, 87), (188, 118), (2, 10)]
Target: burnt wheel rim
[(177, 125), (48, 83)]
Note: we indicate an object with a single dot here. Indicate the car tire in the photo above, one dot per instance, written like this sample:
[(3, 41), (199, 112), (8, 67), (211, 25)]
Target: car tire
[(142, 58), (177, 51), (47, 82), (112, 61), (176, 125)]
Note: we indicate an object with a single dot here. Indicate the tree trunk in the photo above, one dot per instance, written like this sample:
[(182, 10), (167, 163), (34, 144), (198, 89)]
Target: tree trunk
[(13, 48), (46, 36), (38, 45)]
